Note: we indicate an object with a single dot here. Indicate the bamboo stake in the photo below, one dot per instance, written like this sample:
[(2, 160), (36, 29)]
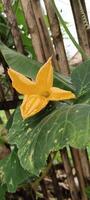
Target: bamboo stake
[(52, 174), (38, 17), (85, 9), (81, 31), (82, 52), (44, 189), (79, 15), (78, 167), (70, 178), (85, 165), (43, 31), (13, 25), (85, 18), (33, 29), (82, 153), (62, 150), (57, 38)]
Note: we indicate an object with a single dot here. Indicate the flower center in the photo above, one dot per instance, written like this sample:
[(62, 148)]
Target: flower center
[(46, 94)]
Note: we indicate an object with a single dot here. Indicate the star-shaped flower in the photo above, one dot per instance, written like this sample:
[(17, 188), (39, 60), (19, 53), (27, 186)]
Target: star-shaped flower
[(37, 93)]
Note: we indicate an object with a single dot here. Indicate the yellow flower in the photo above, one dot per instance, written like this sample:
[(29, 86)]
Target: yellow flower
[(37, 93)]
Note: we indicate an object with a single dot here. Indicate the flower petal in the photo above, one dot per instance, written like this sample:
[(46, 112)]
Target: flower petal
[(22, 84), (44, 78), (32, 104), (59, 94)]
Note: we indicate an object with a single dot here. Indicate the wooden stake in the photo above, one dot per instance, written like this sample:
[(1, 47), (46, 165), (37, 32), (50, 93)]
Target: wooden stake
[(44, 190), (57, 38), (52, 174), (85, 19), (85, 9), (81, 31), (33, 29), (85, 165), (78, 167), (13, 25), (70, 178), (43, 31)]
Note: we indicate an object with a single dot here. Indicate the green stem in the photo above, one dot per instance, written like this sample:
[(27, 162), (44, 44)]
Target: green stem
[(69, 33)]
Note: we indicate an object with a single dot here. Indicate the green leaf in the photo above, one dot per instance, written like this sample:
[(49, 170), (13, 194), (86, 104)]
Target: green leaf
[(81, 78), (27, 42), (87, 190), (9, 122), (28, 124), (3, 189), (11, 172), (30, 67), (5, 32), (36, 137), (21, 18), (3, 28), (1, 7), (19, 62), (63, 82), (85, 98), (25, 126)]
